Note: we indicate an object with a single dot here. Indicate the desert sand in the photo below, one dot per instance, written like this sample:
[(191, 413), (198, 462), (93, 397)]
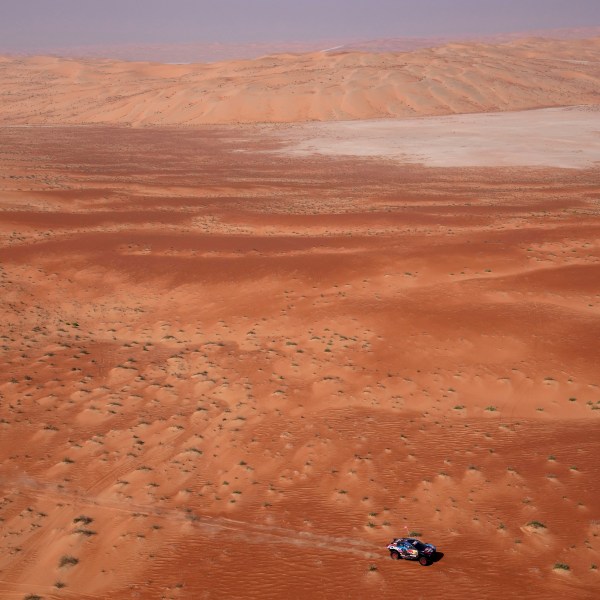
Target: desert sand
[(236, 365), (322, 86)]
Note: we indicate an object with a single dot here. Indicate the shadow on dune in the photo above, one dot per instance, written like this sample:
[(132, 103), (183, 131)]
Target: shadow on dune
[(436, 557)]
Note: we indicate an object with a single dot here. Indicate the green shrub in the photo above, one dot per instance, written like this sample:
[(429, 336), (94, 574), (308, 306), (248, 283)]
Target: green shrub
[(67, 560), (86, 532), (83, 519)]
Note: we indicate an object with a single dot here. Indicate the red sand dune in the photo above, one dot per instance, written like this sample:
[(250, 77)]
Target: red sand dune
[(240, 374), (456, 78), (203, 52)]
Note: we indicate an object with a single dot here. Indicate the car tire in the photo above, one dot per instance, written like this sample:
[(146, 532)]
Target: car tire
[(395, 555), (424, 561)]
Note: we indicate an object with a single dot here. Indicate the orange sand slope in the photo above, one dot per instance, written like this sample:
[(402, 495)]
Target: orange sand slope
[(456, 78), (226, 370)]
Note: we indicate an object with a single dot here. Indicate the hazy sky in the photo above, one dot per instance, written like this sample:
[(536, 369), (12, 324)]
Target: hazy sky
[(30, 24)]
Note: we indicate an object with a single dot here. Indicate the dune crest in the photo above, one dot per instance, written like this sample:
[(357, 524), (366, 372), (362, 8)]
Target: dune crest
[(321, 86)]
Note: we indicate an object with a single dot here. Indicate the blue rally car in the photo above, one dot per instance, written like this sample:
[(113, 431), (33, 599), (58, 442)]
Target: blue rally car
[(411, 549)]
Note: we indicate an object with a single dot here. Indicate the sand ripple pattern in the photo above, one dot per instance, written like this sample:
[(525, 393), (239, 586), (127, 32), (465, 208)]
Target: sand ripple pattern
[(451, 79)]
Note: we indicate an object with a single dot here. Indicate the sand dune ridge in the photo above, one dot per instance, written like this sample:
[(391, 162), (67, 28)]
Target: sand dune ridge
[(455, 78)]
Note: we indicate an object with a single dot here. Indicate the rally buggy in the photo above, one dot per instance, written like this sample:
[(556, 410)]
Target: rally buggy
[(412, 549)]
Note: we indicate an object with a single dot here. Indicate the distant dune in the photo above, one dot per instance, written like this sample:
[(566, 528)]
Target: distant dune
[(322, 86), (208, 52)]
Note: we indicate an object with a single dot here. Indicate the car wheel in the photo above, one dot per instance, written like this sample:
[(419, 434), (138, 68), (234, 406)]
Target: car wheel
[(395, 555), (423, 561)]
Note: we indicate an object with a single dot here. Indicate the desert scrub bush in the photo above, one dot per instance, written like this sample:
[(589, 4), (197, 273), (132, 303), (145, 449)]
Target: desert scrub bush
[(415, 534), (536, 525), (67, 560), (33, 597), (491, 408), (83, 519), (562, 566)]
